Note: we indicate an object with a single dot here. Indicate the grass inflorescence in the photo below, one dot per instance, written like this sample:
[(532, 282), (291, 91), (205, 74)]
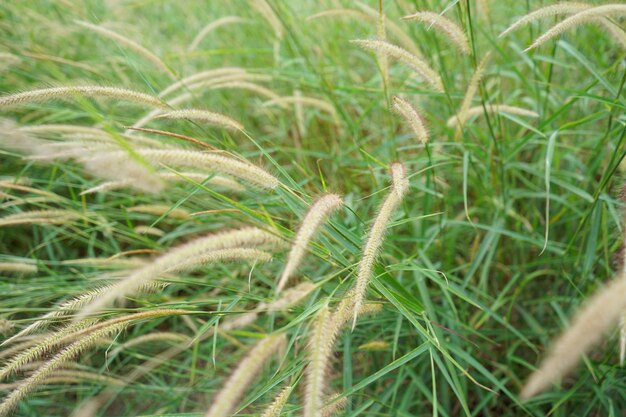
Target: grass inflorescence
[(331, 208)]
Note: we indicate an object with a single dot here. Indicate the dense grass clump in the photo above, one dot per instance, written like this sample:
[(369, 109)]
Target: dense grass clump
[(330, 208)]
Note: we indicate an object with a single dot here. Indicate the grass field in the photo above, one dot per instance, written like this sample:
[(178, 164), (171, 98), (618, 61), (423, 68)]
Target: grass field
[(416, 207)]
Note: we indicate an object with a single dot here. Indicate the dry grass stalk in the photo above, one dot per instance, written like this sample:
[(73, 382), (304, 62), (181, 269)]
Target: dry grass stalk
[(222, 21), (585, 16), (412, 117), (492, 108), (443, 25), (21, 267), (192, 159), (160, 210), (600, 313), (130, 44), (277, 405), (400, 185), (317, 214), (225, 401), (418, 65), (204, 116), (53, 93)]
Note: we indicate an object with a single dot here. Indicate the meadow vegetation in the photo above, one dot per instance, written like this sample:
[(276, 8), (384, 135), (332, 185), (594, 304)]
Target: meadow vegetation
[(329, 208)]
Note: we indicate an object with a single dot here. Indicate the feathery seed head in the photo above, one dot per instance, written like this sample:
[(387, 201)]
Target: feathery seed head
[(602, 311), (319, 348), (446, 26), (492, 108), (376, 235), (412, 61), (548, 11), (412, 116), (195, 159), (584, 16), (225, 401), (217, 247), (222, 21), (123, 40), (21, 267), (205, 116), (277, 405), (318, 213), (53, 93), (472, 88)]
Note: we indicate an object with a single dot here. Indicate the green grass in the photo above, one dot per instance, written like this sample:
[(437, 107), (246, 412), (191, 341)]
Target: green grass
[(503, 234)]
